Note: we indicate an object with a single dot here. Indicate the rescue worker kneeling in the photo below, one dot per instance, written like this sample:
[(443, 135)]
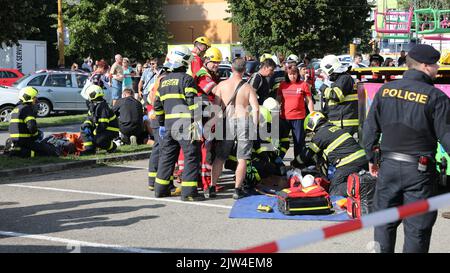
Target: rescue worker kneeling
[(101, 126), (24, 135), (332, 146)]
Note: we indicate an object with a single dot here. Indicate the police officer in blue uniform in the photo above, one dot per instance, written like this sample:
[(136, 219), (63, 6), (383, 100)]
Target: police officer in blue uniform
[(412, 115)]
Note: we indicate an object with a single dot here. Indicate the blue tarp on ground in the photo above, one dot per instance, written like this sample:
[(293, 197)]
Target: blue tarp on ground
[(246, 208)]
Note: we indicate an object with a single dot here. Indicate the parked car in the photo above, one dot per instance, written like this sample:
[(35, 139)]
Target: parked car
[(58, 90), (9, 97), (9, 76)]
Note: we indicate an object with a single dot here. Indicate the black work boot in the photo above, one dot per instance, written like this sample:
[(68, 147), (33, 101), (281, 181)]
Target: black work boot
[(210, 192), (239, 193)]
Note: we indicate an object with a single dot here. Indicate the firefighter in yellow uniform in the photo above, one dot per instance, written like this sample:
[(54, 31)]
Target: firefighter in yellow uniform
[(340, 95), (174, 107), (101, 126), (24, 134)]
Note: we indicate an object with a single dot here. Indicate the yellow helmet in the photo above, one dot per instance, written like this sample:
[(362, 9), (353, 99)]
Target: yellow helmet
[(313, 120), (264, 57), (213, 54), (27, 94), (203, 40), (94, 92)]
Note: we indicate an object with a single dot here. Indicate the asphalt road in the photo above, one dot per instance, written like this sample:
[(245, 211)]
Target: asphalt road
[(109, 209)]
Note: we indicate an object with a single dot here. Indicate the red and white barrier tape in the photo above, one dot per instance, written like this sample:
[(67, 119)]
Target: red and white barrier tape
[(370, 220)]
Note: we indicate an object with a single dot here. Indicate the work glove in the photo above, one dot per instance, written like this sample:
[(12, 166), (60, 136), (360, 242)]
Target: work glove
[(162, 132), (196, 131), (278, 161)]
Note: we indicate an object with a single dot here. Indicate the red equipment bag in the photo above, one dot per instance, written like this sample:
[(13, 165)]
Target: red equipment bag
[(303, 201), (360, 191)]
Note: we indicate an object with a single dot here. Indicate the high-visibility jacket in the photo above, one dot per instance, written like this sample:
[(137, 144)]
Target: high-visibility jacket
[(175, 99), (101, 118), (337, 147), (23, 126), (342, 102)]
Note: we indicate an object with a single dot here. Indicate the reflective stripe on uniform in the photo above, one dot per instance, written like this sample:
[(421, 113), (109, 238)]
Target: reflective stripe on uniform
[(339, 93), (314, 147), (336, 143), (232, 158), (162, 181), (23, 135), (172, 96), (107, 119), (284, 150), (32, 153), (189, 183), (88, 122), (286, 139), (351, 158), (89, 143), (152, 174), (114, 129), (193, 107), (178, 115), (16, 120), (190, 90), (159, 113), (257, 177), (346, 122), (352, 97)]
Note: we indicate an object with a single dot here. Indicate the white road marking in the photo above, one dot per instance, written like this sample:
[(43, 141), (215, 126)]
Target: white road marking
[(121, 195), (76, 243)]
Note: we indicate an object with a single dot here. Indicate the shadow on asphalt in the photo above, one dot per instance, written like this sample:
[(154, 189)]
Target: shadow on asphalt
[(48, 218), (90, 171)]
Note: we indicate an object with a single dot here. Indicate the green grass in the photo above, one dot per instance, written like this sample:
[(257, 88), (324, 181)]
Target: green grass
[(16, 162), (53, 121)]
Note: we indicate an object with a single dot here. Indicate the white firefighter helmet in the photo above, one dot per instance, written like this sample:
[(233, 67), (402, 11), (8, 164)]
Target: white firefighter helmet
[(178, 57), (272, 105), (330, 64), (292, 58)]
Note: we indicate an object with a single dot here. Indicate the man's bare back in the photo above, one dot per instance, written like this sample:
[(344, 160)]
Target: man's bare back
[(246, 96)]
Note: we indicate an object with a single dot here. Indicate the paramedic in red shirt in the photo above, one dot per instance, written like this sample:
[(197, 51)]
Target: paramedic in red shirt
[(292, 95), (201, 44)]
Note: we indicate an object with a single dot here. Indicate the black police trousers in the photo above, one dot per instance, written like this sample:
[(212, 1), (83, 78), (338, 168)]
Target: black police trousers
[(169, 151), (154, 158), (401, 183), (338, 184)]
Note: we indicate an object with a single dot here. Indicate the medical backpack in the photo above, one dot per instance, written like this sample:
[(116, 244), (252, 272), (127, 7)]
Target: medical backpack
[(304, 201), (360, 191)]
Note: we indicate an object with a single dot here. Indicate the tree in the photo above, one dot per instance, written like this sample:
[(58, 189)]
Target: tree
[(17, 19), (103, 28), (297, 26)]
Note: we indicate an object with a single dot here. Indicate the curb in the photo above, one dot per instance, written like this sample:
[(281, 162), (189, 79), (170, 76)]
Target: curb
[(47, 168)]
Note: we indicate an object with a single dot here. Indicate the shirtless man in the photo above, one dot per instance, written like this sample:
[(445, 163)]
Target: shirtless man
[(237, 122)]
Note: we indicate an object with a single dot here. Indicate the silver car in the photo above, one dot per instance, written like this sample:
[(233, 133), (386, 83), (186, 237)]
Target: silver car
[(58, 90)]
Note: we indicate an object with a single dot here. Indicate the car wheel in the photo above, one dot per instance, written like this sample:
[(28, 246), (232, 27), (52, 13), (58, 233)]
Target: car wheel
[(43, 108), (5, 113)]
